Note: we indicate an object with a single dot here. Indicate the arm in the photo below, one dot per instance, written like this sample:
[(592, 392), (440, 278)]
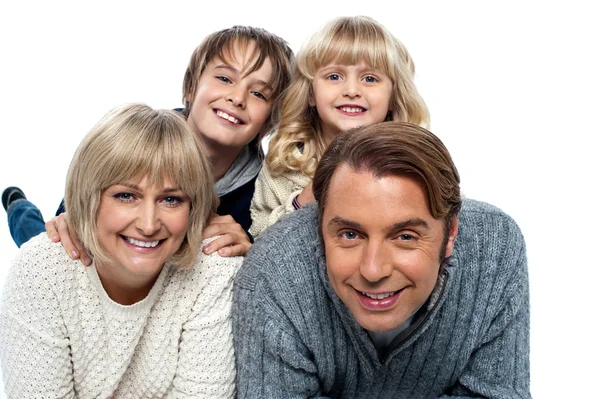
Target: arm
[(34, 346), (233, 240), (499, 368), (206, 367), (273, 198), (272, 362)]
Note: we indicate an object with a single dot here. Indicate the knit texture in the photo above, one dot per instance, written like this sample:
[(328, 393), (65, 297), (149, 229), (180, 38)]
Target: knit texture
[(62, 336), (273, 197), (294, 338)]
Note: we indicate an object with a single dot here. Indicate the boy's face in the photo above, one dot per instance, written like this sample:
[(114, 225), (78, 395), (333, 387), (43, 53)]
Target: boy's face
[(230, 107)]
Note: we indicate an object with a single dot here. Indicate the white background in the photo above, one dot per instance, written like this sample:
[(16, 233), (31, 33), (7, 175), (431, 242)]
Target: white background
[(512, 88)]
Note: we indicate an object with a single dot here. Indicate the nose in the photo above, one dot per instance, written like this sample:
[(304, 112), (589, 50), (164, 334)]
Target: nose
[(351, 89), (377, 262), (147, 221), (237, 97)]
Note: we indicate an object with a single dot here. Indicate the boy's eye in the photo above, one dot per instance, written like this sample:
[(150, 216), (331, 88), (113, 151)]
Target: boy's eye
[(258, 94), (224, 79)]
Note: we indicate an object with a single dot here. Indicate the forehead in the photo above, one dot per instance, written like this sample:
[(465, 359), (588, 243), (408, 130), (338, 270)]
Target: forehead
[(373, 202), (245, 57)]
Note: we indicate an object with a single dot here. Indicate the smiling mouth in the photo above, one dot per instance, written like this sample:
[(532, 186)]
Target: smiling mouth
[(380, 296), (142, 244), (352, 110), (226, 116)]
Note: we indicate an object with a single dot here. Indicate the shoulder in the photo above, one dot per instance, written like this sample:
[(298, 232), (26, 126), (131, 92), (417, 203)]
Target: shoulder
[(212, 270), (290, 246), (489, 241)]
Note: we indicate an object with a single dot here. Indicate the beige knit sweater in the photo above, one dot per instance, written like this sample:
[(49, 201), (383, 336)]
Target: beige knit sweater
[(62, 336), (273, 197)]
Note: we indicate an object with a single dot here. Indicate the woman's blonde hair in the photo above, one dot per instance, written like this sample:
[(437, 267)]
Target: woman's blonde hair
[(128, 143), (344, 40)]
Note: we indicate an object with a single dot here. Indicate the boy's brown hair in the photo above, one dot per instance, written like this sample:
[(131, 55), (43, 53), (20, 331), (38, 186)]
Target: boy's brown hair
[(267, 45)]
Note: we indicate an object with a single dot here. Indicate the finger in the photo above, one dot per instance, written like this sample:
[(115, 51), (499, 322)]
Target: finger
[(221, 242), (51, 230), (235, 250)]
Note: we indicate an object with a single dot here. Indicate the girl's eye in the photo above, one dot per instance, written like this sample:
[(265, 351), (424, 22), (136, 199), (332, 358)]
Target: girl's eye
[(124, 197), (334, 76), (258, 94), (370, 79), (224, 79)]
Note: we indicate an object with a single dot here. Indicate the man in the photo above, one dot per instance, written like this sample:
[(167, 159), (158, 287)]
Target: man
[(390, 286)]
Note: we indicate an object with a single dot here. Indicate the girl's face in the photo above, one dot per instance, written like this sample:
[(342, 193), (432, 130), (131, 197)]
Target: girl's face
[(348, 96)]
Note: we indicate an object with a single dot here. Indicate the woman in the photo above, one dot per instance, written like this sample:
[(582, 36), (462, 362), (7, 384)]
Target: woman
[(151, 317)]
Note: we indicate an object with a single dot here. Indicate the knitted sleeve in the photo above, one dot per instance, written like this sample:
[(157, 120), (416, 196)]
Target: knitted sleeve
[(499, 368), (273, 198), (34, 346), (272, 361), (206, 365)]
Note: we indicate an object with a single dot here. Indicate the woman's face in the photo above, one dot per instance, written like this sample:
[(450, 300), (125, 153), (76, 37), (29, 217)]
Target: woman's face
[(140, 226)]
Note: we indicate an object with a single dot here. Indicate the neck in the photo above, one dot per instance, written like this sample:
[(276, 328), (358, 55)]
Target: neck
[(121, 289), (221, 158)]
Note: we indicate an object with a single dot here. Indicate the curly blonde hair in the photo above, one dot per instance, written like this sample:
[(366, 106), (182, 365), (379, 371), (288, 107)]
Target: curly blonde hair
[(345, 40)]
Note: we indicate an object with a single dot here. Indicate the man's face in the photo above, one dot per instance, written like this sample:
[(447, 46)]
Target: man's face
[(382, 246)]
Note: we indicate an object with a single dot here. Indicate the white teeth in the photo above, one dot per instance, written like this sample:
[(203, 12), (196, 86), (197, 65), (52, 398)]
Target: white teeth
[(351, 110), (145, 244), (230, 118), (378, 296)]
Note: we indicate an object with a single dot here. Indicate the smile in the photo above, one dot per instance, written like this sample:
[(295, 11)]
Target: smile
[(351, 110), (379, 296), (379, 302), (226, 116), (143, 244)]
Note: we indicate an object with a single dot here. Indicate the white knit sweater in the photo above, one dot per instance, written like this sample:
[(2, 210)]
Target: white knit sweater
[(62, 336)]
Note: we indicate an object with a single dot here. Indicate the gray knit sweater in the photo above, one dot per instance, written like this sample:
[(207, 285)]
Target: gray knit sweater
[(294, 338)]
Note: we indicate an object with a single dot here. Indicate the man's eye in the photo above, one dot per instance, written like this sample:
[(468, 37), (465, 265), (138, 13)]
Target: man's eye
[(406, 237), (349, 235)]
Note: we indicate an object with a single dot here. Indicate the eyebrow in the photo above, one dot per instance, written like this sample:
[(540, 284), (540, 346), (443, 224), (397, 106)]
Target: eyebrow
[(235, 71), (137, 188), (414, 222)]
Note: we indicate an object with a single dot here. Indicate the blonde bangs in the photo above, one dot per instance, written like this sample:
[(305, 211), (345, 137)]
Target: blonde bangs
[(348, 42)]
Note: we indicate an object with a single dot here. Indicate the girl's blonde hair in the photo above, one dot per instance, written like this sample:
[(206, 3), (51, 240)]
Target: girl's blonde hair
[(128, 143), (344, 40)]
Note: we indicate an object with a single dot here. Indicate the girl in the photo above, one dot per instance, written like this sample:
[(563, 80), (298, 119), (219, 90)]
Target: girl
[(352, 72)]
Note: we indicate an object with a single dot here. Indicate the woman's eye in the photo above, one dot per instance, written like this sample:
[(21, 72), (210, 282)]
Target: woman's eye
[(124, 197), (172, 201)]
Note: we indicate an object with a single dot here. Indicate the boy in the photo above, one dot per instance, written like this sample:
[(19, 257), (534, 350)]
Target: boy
[(232, 91)]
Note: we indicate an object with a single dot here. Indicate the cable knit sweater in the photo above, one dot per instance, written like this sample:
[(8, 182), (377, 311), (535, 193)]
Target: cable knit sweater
[(273, 197), (294, 338), (62, 336)]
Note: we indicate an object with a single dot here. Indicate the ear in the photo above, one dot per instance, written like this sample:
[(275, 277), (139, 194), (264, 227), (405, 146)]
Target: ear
[(452, 234), (187, 98)]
